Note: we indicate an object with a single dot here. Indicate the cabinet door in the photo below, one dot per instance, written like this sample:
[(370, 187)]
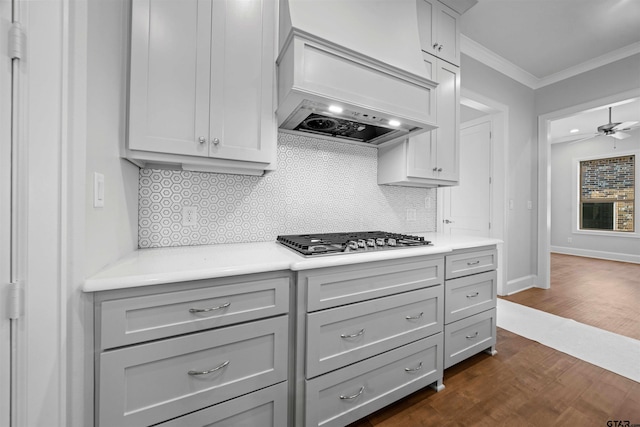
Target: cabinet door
[(448, 132), (447, 34), (169, 86), (242, 73)]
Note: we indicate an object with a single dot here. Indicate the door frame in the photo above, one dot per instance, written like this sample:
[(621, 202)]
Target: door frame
[(544, 176), (499, 116)]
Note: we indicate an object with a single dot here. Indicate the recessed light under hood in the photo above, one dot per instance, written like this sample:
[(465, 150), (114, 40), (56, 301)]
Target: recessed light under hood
[(352, 70)]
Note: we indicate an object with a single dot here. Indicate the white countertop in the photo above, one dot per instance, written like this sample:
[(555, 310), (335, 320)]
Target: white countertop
[(146, 267)]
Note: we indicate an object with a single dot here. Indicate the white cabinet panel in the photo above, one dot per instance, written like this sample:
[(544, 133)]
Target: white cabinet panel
[(469, 336), (263, 408), (150, 383), (343, 335), (439, 30), (469, 295), (472, 262), (202, 85)]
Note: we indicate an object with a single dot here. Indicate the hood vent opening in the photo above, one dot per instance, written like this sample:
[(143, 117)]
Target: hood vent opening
[(329, 89)]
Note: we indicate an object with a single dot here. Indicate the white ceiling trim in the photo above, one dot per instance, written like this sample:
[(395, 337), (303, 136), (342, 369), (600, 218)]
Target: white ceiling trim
[(491, 59), (506, 67)]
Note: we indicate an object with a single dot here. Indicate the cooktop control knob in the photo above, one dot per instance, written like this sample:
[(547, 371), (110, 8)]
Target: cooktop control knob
[(353, 244), (361, 243), (371, 242), (391, 242), (380, 241)]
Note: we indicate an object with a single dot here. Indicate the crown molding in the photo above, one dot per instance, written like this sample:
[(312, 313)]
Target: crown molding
[(591, 64), (491, 59)]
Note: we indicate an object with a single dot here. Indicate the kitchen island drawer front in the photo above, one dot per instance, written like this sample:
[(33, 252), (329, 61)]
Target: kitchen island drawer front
[(464, 264), (137, 319), (469, 336), (346, 395), (344, 335), (332, 287), (263, 408), (469, 295), (150, 383)]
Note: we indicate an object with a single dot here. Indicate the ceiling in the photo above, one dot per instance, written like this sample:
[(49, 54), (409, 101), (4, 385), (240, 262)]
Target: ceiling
[(588, 121), (539, 42)]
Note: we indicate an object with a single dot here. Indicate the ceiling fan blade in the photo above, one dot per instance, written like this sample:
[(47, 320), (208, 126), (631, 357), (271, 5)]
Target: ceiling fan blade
[(620, 135), (624, 125)]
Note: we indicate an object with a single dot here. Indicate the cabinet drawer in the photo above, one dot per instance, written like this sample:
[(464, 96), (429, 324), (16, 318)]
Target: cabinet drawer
[(150, 383), (331, 287), (469, 295), (469, 336), (263, 408), (467, 263), (372, 384), (144, 318), (344, 335)]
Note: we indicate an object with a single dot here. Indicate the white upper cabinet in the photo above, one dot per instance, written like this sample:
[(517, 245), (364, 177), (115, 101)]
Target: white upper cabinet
[(430, 159), (439, 32), (202, 85)]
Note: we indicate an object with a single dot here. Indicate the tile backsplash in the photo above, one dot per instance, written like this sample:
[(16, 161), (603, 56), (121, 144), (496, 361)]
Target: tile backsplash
[(319, 186)]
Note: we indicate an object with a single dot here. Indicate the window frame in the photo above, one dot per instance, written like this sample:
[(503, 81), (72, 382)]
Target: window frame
[(577, 197)]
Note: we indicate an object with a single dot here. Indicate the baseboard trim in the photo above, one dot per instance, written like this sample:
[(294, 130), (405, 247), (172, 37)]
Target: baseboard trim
[(521, 283), (611, 256)]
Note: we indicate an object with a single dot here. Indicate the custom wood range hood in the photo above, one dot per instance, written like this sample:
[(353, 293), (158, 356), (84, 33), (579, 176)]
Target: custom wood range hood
[(352, 70)]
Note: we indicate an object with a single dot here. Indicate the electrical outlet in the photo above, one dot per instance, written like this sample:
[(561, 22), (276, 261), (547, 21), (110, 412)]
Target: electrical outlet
[(427, 202), (411, 214), (189, 215), (569, 240), (529, 204)]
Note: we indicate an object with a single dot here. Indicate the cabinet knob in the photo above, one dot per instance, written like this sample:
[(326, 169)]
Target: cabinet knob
[(216, 141), (435, 169), (202, 140), (439, 169), (435, 45), (440, 48)]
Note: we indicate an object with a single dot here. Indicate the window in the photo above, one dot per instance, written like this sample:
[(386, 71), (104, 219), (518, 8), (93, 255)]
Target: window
[(607, 194)]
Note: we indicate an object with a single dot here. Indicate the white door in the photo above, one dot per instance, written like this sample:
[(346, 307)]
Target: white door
[(467, 207), (5, 208)]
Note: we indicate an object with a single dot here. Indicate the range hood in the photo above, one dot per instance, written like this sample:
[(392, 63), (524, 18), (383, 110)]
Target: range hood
[(352, 70)]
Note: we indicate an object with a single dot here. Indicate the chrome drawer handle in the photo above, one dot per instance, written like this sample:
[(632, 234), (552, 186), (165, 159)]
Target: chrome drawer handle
[(357, 334), (354, 396), (217, 368), (475, 294), (474, 262), (470, 337), (206, 310), (414, 369), (417, 316)]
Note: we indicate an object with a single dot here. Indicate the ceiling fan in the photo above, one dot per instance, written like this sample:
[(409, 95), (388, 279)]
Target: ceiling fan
[(614, 130)]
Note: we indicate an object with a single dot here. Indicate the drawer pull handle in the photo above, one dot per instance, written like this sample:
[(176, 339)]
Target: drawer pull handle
[(354, 396), (473, 295), (217, 368), (357, 334), (417, 316), (206, 310), (470, 337), (414, 369), (474, 262)]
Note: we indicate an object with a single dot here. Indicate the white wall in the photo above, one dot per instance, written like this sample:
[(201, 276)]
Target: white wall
[(564, 199), (111, 231), (521, 172)]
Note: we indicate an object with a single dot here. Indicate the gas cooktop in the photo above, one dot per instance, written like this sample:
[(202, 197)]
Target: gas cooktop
[(355, 242)]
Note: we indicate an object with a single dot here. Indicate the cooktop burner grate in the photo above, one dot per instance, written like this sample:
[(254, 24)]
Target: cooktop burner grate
[(353, 242)]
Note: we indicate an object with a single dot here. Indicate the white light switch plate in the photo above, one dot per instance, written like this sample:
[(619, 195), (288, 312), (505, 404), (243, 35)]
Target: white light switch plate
[(98, 190)]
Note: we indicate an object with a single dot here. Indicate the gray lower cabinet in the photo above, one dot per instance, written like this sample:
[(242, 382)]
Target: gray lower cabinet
[(211, 352), (470, 304), (367, 335)]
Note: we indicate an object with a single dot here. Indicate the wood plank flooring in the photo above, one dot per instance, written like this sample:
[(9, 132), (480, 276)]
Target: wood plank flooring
[(528, 384)]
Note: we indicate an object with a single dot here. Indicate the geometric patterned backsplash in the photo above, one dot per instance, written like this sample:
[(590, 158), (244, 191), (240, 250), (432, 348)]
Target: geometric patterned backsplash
[(319, 186)]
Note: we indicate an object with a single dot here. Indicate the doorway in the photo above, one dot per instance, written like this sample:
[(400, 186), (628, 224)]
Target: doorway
[(480, 106), (467, 207)]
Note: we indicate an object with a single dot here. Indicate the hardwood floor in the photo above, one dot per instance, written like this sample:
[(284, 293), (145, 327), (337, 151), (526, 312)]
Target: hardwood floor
[(600, 293), (528, 384)]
